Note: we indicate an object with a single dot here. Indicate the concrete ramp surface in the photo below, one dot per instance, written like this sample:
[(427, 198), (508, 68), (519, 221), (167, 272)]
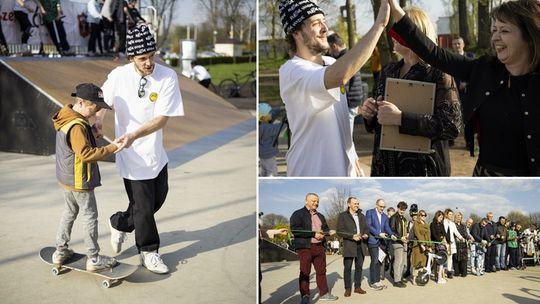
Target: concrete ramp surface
[(34, 88)]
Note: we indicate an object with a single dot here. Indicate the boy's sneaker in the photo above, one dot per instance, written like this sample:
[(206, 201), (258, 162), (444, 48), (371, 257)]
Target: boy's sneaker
[(100, 262), (328, 297), (117, 238), (153, 262), (59, 257)]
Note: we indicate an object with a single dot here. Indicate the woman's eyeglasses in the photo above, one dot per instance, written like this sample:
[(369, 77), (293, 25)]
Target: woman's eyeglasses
[(142, 83), (423, 214)]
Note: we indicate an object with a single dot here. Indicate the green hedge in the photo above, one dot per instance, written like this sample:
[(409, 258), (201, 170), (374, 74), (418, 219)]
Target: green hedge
[(226, 60)]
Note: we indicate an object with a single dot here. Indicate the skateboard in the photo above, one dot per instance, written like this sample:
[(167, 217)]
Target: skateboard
[(78, 262)]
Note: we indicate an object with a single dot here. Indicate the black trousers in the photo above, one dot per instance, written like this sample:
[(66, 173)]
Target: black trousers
[(489, 261), (460, 266), (24, 24), (347, 267), (145, 198), (58, 35), (95, 36)]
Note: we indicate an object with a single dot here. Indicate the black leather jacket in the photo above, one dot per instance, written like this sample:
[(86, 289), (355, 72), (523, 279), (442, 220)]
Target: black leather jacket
[(397, 226)]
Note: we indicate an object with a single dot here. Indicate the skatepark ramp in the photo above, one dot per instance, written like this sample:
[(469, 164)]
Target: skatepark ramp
[(33, 89), (270, 252)]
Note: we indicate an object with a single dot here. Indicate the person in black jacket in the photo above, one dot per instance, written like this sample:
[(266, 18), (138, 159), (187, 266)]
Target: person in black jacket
[(398, 224), (480, 236), (502, 90), (444, 124), (491, 254), (309, 228), (353, 228), (439, 235)]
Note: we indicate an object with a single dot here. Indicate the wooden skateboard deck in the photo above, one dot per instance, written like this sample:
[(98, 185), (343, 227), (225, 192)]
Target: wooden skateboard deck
[(78, 262)]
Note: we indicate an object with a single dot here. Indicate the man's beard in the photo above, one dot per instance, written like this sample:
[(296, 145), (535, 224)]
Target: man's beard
[(315, 47)]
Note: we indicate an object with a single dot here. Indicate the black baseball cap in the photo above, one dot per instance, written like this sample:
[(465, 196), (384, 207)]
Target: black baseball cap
[(92, 93)]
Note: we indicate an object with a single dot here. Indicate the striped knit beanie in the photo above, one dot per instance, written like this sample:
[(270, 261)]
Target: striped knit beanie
[(294, 12), (139, 41)]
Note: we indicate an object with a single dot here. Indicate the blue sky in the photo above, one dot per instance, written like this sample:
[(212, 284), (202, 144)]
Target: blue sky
[(283, 196)]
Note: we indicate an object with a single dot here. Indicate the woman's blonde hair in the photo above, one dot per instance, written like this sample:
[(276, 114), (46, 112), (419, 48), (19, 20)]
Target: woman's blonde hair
[(422, 21)]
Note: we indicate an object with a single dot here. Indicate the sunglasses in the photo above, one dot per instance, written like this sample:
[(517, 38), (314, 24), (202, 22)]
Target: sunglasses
[(142, 83), (423, 214)]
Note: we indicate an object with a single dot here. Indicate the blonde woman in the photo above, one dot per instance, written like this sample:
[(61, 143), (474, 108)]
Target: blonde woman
[(421, 232), (440, 127), (461, 256)]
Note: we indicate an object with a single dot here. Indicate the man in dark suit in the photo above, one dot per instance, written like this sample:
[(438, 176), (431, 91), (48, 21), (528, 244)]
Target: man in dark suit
[(379, 229), (309, 229), (352, 227)]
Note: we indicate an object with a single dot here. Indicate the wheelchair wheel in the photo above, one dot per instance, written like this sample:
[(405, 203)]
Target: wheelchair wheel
[(422, 278)]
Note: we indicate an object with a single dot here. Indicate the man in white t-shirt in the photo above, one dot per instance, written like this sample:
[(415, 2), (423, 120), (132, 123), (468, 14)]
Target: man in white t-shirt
[(199, 73), (312, 88), (144, 95)]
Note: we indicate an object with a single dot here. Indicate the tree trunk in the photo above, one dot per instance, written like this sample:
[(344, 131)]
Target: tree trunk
[(351, 19), (483, 24), (463, 24)]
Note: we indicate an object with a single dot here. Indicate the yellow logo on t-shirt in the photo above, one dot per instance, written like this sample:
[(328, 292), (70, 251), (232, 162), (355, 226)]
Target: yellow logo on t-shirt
[(153, 97), (342, 89)]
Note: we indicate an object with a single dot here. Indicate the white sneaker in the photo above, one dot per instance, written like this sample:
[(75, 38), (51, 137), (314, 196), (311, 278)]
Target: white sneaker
[(100, 262), (117, 238), (59, 257), (153, 262), (441, 281)]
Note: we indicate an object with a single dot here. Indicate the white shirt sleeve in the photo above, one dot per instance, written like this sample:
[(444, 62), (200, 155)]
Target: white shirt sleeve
[(92, 11), (108, 88), (169, 102)]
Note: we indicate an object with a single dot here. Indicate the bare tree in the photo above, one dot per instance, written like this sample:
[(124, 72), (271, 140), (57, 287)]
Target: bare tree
[(164, 10), (518, 216), (484, 23), (535, 218), (476, 218), (463, 21), (212, 8), (272, 220), (338, 204)]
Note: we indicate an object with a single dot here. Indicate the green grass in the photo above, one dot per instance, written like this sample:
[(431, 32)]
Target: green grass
[(269, 65), (224, 71)]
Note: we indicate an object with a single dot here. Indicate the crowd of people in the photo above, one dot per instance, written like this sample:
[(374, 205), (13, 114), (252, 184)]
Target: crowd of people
[(407, 251), (105, 22), (316, 87)]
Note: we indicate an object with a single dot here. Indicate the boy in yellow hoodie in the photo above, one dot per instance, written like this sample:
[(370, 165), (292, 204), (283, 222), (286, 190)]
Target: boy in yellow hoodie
[(78, 173)]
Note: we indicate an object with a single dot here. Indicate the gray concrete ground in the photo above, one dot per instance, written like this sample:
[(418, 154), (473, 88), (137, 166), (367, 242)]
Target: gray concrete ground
[(207, 229), (280, 285)]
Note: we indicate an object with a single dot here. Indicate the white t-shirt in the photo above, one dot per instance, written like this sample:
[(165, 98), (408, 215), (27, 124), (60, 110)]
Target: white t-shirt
[(146, 156), (321, 143), (200, 73)]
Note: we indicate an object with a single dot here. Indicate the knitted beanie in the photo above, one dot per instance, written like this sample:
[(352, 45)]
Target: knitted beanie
[(139, 41), (294, 12)]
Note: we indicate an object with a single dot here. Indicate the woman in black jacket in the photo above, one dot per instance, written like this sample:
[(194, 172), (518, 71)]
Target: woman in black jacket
[(503, 90), (440, 127), (439, 235)]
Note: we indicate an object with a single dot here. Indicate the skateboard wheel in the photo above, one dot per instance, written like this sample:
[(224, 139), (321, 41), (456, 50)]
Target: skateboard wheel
[(106, 284), (55, 271)]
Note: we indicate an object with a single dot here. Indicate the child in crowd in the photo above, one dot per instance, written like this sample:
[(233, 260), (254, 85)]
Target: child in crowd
[(268, 144)]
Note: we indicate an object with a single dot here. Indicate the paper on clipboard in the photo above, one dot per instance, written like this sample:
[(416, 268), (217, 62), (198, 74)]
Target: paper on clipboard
[(409, 96), (382, 255)]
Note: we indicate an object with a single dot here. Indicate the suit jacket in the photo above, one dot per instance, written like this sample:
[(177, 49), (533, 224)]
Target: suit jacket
[(301, 220), (376, 227), (345, 227)]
